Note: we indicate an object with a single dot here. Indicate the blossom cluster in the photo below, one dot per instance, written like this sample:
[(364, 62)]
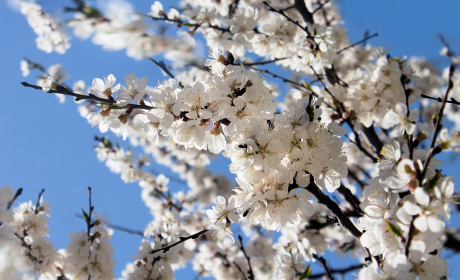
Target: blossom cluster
[(359, 129)]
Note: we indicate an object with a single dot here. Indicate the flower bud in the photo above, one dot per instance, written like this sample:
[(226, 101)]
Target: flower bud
[(105, 112), (123, 118)]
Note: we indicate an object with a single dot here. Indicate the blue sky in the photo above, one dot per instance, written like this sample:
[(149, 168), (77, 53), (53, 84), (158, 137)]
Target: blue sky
[(47, 145)]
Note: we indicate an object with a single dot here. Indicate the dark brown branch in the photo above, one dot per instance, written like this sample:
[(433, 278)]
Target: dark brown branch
[(165, 69), (10, 203), (250, 272), (359, 42), (298, 85), (340, 271), (264, 62), (410, 236), (37, 205), (296, 22), (373, 138), (351, 198), (452, 242), (439, 99), (241, 271), (320, 6), (88, 218), (181, 240), (439, 125), (63, 90), (117, 227), (322, 261), (307, 16), (334, 208)]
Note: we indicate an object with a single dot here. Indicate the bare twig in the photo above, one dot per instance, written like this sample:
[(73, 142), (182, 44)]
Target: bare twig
[(181, 240), (439, 99), (265, 62), (296, 22), (359, 42), (165, 69), (322, 261), (10, 203), (241, 271), (63, 90), (37, 205), (117, 227), (439, 125), (320, 6), (88, 217), (250, 272), (340, 271)]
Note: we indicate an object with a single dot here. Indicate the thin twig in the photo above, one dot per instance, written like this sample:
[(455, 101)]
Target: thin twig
[(296, 22), (320, 6), (117, 227), (181, 240), (265, 62), (165, 69), (37, 205), (439, 99), (88, 219), (250, 272), (333, 271), (63, 90), (10, 203), (359, 42), (239, 268), (438, 124), (322, 261)]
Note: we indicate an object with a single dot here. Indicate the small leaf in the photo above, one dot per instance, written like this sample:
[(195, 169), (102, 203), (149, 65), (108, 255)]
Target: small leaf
[(431, 184), (306, 274), (394, 229), (307, 85), (85, 215)]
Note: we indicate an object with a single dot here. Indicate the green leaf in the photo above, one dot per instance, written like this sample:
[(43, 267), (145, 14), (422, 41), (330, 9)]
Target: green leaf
[(307, 85), (188, 24), (431, 184), (306, 274), (394, 229), (85, 215)]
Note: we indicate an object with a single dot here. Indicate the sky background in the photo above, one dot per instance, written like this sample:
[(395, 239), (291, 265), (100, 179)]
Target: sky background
[(47, 145)]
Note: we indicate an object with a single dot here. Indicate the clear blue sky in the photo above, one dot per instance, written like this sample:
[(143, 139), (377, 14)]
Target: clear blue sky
[(47, 145)]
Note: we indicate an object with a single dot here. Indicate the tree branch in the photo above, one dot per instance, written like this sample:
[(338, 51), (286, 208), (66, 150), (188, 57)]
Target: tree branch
[(334, 208), (439, 124), (296, 22), (333, 271), (10, 203), (37, 205), (439, 99), (250, 272), (63, 90), (165, 69), (322, 261), (359, 42), (181, 240)]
